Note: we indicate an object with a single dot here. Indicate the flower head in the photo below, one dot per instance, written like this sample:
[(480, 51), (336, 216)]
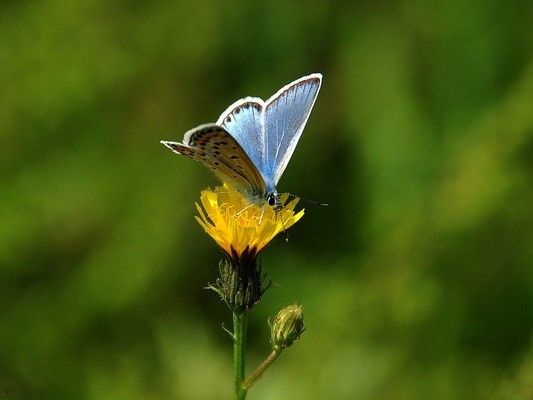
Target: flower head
[(239, 226)]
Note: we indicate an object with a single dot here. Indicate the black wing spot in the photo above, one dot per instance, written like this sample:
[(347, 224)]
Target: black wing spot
[(237, 110), (234, 157)]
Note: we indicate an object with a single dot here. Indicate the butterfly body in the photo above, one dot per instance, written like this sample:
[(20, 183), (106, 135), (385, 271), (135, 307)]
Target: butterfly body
[(251, 143)]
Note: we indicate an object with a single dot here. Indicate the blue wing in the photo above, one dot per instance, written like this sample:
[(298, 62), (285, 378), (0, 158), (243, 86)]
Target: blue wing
[(286, 114), (244, 119), (269, 131)]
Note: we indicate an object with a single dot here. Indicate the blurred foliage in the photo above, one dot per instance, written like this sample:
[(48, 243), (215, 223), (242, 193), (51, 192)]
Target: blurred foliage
[(417, 281)]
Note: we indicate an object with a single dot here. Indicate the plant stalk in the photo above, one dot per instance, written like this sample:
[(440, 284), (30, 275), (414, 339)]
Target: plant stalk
[(258, 372), (240, 323)]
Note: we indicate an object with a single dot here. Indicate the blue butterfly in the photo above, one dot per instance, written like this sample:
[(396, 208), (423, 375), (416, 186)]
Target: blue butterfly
[(252, 142)]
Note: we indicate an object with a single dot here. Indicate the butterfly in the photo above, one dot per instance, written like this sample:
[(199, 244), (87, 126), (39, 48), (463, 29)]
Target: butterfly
[(250, 145)]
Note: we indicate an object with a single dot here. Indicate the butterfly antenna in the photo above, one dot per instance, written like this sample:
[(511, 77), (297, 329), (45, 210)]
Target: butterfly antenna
[(306, 200)]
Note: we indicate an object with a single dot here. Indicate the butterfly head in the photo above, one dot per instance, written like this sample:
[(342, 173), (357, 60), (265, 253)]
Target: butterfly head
[(273, 200)]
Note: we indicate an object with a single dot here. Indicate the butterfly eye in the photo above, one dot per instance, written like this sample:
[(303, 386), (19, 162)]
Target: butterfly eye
[(271, 200)]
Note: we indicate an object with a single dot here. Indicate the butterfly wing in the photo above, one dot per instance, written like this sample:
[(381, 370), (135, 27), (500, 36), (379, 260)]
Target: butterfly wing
[(286, 114), (214, 147), (252, 142), (244, 119)]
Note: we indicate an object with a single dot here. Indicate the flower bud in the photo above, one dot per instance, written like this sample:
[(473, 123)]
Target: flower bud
[(287, 327)]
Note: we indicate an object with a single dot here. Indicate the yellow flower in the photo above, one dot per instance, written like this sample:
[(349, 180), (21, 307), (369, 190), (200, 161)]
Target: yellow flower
[(239, 226)]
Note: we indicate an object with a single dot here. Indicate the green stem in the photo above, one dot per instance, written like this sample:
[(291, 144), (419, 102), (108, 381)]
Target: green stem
[(240, 322), (258, 372)]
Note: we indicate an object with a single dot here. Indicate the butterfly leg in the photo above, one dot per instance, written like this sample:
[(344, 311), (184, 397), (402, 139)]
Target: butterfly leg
[(227, 191), (243, 210), (260, 220), (283, 225)]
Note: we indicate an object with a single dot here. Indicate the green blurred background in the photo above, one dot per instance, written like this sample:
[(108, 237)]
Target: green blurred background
[(417, 280)]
